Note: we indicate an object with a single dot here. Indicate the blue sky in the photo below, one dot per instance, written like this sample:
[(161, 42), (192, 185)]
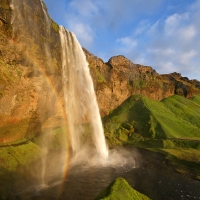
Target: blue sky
[(164, 34)]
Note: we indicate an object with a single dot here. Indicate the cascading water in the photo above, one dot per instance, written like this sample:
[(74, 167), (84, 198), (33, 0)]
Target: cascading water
[(47, 137), (45, 14), (80, 98), (48, 32)]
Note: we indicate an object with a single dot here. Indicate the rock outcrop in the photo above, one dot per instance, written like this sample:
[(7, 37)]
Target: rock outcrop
[(119, 78)]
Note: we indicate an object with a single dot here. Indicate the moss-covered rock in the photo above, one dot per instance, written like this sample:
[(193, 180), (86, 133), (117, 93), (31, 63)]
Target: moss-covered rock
[(119, 189)]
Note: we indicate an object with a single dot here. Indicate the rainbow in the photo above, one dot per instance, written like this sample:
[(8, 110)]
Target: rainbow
[(49, 82)]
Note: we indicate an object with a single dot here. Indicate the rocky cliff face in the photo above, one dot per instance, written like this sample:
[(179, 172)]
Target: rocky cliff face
[(30, 70), (31, 96), (119, 78)]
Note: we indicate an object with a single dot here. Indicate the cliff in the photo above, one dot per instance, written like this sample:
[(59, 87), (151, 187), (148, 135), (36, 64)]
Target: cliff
[(30, 71), (31, 94), (119, 78)]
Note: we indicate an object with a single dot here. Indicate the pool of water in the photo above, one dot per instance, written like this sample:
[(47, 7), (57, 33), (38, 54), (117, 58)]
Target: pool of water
[(150, 175)]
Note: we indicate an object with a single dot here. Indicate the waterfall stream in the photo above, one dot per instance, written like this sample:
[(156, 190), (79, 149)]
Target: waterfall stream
[(80, 98)]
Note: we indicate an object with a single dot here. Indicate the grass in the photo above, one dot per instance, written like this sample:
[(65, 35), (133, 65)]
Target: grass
[(191, 155), (55, 26), (184, 108), (16, 167), (173, 124), (173, 118), (185, 161), (99, 76), (196, 100), (119, 189), (19, 163), (23, 155), (14, 154)]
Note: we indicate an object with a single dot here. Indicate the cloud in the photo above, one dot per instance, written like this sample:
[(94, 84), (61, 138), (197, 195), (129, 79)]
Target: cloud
[(83, 32), (83, 8), (174, 21), (115, 13), (171, 43), (126, 44), (142, 27)]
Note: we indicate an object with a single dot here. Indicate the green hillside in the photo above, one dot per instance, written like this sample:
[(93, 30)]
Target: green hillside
[(184, 108), (141, 118), (120, 189), (196, 99)]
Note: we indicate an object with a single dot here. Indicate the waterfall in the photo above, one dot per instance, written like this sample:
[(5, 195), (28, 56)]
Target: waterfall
[(45, 14), (79, 94)]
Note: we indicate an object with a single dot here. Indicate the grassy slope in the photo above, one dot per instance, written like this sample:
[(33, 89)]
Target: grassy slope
[(184, 108), (177, 116), (18, 162), (170, 127), (14, 162), (173, 118), (119, 189), (15, 155), (196, 100)]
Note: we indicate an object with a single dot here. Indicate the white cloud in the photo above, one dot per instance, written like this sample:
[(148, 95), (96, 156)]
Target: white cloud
[(114, 13), (185, 58), (173, 21), (84, 8), (83, 32), (164, 52), (168, 67), (127, 42), (187, 33), (126, 46), (142, 27), (174, 43)]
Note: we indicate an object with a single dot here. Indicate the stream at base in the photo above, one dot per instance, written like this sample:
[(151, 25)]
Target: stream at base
[(152, 176)]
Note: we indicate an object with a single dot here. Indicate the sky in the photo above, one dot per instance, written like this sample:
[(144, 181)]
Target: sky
[(163, 34)]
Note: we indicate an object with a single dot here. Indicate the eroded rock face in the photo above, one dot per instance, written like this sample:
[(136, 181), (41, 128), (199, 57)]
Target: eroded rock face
[(30, 80), (119, 78)]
